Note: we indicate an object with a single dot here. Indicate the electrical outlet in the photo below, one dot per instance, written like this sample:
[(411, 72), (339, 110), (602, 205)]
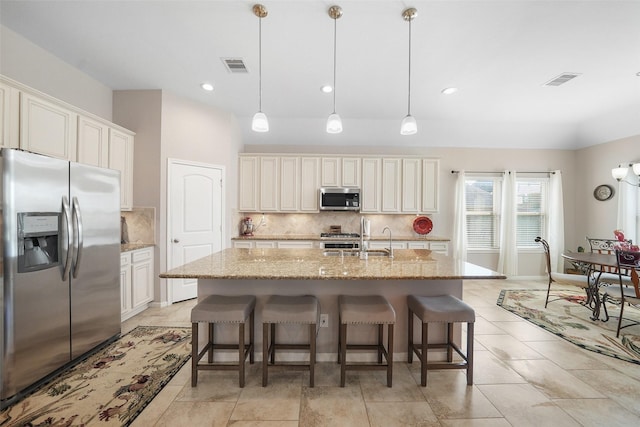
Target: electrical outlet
[(324, 320)]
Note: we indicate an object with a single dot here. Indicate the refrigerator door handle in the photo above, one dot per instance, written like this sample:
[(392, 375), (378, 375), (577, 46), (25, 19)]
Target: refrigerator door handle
[(78, 238), (67, 219)]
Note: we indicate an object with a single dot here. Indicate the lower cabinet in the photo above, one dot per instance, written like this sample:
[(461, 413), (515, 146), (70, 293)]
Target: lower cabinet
[(435, 246), (268, 244), (136, 281)]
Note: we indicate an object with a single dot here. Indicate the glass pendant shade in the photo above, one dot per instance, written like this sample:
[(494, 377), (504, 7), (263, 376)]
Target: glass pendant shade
[(334, 123), (409, 125), (636, 168), (619, 173), (260, 122)]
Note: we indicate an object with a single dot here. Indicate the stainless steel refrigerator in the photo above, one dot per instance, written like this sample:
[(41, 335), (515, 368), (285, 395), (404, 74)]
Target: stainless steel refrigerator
[(60, 258)]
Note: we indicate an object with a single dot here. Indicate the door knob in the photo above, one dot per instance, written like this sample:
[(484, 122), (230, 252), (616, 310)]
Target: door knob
[(176, 241)]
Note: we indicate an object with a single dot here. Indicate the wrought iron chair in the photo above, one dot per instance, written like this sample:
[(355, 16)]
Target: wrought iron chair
[(628, 261), (608, 275), (578, 280)]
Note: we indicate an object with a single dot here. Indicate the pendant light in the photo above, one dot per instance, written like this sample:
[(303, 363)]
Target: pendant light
[(409, 125), (260, 122), (334, 122)]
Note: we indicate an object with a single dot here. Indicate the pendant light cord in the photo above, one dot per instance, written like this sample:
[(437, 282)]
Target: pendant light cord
[(335, 27), (409, 97), (260, 64)]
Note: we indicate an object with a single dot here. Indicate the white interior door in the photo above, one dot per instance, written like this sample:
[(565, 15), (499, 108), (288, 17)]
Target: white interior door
[(195, 216)]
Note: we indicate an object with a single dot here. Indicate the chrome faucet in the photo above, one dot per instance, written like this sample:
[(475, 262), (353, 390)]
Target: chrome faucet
[(390, 241), (363, 250)]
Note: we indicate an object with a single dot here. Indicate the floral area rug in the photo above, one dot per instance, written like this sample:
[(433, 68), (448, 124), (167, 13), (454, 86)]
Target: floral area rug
[(570, 320), (110, 387)]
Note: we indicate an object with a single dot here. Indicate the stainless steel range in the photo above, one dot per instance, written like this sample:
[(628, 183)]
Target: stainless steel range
[(340, 240)]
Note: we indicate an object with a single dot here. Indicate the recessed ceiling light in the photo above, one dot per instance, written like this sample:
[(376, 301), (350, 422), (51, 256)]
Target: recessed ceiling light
[(449, 90), (207, 86), (638, 74), (326, 89)]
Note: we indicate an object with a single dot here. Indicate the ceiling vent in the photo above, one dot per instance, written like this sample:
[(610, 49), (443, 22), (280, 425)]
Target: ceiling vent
[(561, 79), (235, 65)]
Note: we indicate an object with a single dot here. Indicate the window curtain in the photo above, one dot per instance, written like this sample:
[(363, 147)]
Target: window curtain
[(508, 259), (460, 220), (555, 222), (628, 208)]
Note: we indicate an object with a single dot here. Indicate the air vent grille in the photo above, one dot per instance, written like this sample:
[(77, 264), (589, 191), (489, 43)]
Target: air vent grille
[(561, 79), (235, 65)]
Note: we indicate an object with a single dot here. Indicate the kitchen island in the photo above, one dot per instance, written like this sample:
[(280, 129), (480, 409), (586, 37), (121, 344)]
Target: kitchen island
[(327, 274)]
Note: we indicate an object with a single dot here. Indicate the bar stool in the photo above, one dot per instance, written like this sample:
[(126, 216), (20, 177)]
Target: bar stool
[(222, 309), (366, 310), (280, 309), (441, 309)]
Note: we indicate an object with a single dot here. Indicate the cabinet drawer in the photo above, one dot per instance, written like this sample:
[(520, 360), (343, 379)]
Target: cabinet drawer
[(141, 255), (125, 259)]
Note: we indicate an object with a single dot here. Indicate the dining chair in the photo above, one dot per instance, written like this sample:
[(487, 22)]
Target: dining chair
[(578, 280), (622, 294), (608, 275)]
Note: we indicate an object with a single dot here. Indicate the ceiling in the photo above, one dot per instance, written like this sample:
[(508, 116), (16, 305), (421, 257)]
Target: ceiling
[(498, 53)]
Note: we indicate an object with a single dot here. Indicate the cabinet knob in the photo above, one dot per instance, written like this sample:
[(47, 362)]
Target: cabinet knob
[(176, 240)]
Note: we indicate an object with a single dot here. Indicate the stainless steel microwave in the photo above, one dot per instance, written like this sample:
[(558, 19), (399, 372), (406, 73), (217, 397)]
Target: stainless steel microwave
[(339, 199)]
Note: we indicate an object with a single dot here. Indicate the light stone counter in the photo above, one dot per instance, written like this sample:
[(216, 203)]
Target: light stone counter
[(264, 272), (309, 264), (126, 247), (316, 237)]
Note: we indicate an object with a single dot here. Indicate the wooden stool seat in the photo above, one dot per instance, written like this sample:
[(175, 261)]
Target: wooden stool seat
[(440, 309), (280, 309), (222, 309), (366, 310)]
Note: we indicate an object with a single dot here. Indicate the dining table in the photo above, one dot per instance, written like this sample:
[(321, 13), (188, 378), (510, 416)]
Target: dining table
[(595, 263)]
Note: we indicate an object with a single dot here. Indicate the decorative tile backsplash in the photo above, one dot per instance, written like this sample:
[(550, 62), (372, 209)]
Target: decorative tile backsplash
[(316, 223), (140, 225)]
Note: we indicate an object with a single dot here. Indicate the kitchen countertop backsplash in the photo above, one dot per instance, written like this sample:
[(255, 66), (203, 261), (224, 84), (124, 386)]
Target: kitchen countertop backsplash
[(313, 224), (138, 228)]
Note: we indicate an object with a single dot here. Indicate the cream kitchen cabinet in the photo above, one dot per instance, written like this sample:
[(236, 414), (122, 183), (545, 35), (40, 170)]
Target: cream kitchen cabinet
[(391, 185), (102, 145), (289, 184), (371, 190), (295, 244), (269, 179), (430, 195), (9, 116), (411, 185), (309, 183), (47, 127), (248, 184), (93, 142), (121, 159), (271, 244), (136, 281), (440, 247), (340, 172)]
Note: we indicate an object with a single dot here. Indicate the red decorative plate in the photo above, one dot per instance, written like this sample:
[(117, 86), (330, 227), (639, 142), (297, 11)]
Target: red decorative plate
[(422, 225)]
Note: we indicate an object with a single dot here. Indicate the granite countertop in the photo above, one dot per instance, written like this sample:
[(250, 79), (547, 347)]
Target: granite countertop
[(311, 264), (126, 247), (414, 237)]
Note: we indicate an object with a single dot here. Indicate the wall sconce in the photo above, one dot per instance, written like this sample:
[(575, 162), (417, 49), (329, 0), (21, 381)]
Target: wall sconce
[(620, 173)]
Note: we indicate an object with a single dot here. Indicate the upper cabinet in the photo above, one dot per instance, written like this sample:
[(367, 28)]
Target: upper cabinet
[(269, 179), (47, 128), (9, 116), (121, 159), (430, 196), (107, 147), (248, 184), (288, 183), (93, 142), (340, 172), (309, 184), (36, 122)]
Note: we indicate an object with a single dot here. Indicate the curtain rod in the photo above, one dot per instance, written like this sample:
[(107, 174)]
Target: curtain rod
[(548, 172)]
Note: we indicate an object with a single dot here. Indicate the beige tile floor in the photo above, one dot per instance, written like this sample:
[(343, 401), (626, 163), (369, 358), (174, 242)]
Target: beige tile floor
[(523, 376)]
